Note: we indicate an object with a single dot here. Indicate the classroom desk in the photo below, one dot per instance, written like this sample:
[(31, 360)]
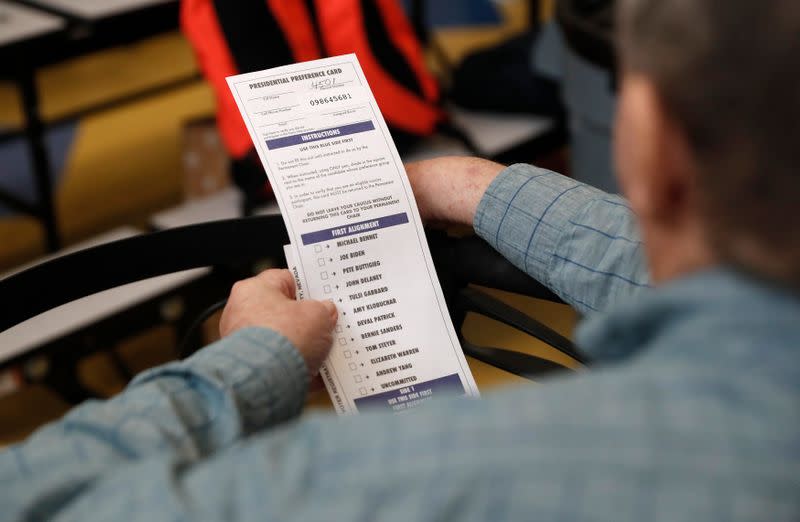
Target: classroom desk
[(38, 33)]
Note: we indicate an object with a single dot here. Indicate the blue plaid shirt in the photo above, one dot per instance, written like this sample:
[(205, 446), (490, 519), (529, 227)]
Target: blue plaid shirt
[(691, 413)]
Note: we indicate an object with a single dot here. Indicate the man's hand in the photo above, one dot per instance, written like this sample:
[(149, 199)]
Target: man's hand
[(449, 189), (268, 301)]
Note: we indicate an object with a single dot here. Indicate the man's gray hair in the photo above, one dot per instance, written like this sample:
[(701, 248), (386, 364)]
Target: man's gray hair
[(729, 73)]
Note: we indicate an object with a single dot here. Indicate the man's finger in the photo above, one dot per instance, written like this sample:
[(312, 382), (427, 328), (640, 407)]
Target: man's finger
[(333, 312), (280, 280), (324, 310)]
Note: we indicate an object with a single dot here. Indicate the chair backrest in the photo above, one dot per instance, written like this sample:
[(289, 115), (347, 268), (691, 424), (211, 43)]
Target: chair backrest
[(588, 27), (85, 272), (459, 261)]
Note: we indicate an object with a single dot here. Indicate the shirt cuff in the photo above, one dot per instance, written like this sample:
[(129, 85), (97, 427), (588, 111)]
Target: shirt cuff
[(524, 213), (258, 371)]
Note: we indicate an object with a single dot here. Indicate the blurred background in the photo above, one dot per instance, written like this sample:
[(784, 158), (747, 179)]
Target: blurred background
[(113, 124)]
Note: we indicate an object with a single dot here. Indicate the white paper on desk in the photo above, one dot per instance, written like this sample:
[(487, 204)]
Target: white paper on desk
[(357, 238)]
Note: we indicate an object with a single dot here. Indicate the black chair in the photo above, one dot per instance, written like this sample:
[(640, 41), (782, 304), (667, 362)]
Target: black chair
[(588, 26), (242, 242)]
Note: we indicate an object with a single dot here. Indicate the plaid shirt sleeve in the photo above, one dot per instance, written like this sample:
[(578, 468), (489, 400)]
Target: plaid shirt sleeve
[(579, 241), (182, 411)]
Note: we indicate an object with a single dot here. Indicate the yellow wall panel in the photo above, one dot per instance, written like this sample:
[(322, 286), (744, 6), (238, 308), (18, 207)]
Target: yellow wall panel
[(96, 78), (21, 239), (120, 71), (126, 163), (458, 42), (10, 112)]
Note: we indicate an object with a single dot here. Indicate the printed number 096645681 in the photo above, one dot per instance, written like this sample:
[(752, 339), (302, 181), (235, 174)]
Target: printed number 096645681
[(330, 99)]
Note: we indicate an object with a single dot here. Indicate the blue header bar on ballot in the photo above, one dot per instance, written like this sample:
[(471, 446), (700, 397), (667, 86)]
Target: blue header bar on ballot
[(324, 134), (354, 228)]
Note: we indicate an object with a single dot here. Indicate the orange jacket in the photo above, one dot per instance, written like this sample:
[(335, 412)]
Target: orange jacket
[(342, 28)]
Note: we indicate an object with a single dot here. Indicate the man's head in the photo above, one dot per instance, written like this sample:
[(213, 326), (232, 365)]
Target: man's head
[(708, 132)]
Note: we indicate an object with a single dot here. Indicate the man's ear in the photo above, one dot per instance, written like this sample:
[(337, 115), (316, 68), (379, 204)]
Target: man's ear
[(653, 156)]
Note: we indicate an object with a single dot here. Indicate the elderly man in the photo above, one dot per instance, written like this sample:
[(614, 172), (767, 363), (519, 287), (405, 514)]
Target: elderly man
[(692, 413)]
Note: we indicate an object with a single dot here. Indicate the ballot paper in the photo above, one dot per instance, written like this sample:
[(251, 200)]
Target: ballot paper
[(357, 237)]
